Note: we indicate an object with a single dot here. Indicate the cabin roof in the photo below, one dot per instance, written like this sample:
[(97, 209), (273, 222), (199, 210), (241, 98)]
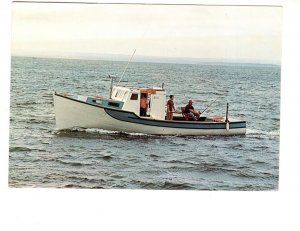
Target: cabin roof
[(146, 90)]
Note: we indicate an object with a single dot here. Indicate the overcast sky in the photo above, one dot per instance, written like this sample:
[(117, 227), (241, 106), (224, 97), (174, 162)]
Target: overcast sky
[(206, 32)]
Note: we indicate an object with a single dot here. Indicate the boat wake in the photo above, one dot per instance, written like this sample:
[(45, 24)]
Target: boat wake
[(100, 133), (261, 132)]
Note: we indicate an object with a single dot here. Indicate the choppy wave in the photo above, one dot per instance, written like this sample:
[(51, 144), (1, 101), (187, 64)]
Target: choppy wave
[(19, 149), (166, 185), (25, 149)]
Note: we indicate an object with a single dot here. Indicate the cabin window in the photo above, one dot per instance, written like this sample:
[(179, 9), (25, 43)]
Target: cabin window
[(134, 97), (113, 104), (125, 95), (96, 101), (119, 94)]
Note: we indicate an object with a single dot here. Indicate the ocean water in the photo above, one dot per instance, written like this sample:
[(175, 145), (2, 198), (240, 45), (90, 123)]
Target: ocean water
[(41, 156)]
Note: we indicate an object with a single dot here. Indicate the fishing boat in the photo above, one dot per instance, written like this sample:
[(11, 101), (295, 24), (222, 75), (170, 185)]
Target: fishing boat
[(121, 112)]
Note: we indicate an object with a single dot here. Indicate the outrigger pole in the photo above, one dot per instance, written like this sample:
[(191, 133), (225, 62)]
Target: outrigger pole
[(127, 66), (226, 119)]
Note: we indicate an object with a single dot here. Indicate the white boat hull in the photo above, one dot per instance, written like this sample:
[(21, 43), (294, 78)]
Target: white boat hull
[(70, 113)]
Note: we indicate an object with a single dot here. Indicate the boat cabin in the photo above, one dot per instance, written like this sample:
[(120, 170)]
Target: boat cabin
[(128, 99)]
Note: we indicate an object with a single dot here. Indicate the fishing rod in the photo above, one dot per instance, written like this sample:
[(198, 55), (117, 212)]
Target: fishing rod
[(127, 66), (208, 106)]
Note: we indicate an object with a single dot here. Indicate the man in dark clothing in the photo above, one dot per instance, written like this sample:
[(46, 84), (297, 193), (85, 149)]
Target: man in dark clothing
[(189, 109)]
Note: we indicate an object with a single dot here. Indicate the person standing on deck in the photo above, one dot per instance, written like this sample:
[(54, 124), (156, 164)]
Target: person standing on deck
[(143, 105), (170, 107)]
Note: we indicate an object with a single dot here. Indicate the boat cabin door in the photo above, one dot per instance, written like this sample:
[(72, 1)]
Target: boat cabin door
[(157, 104)]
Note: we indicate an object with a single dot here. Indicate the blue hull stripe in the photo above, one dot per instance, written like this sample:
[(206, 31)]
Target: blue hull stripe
[(133, 118)]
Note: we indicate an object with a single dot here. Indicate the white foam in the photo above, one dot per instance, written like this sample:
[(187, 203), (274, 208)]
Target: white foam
[(261, 132), (102, 131)]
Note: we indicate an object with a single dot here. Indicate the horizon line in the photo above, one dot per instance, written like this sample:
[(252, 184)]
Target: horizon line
[(149, 59)]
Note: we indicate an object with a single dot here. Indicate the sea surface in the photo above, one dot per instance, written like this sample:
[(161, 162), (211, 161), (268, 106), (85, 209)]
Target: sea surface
[(41, 156)]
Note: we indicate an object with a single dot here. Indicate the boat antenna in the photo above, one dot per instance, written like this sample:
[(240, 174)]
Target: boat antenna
[(111, 85), (127, 66)]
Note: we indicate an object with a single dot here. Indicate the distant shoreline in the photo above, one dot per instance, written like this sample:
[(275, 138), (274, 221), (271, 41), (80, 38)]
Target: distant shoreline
[(150, 59)]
